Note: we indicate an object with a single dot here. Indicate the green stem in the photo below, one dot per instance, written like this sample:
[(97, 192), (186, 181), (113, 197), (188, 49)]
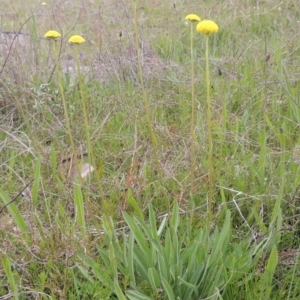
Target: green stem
[(61, 89), (91, 157), (193, 134), (209, 131)]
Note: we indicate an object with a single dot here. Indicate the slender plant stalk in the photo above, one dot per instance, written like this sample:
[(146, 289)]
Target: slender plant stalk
[(61, 89), (91, 156), (193, 134), (145, 99), (209, 131)]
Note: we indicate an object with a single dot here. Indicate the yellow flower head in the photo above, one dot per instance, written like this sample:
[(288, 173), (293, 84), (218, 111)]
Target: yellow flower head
[(76, 39), (193, 18), (44, 3), (207, 26), (52, 34)]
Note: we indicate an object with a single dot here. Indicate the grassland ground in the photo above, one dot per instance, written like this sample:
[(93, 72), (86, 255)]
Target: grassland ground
[(79, 224)]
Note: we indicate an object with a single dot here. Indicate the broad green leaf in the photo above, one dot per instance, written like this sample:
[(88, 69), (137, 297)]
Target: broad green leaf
[(136, 295), (130, 247), (104, 256), (154, 279), (134, 204), (168, 289), (152, 220), (190, 285), (163, 267), (143, 263), (222, 239), (272, 262), (112, 259), (118, 291), (138, 234), (269, 272)]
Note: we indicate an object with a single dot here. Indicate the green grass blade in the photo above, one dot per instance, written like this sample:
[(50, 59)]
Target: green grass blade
[(14, 212), (175, 219), (36, 182), (136, 295), (5, 260), (78, 201), (168, 289), (134, 204), (269, 272)]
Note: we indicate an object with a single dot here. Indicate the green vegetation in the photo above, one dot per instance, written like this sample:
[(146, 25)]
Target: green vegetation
[(106, 184)]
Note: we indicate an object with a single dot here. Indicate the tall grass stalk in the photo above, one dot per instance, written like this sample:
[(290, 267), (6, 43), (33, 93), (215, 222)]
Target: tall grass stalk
[(145, 98), (193, 19), (141, 78)]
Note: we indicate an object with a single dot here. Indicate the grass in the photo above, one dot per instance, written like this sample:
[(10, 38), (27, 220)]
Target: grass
[(137, 227)]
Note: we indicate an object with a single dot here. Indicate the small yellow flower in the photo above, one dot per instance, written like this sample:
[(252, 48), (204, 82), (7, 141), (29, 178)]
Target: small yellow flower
[(44, 3), (52, 34), (193, 18), (207, 26), (76, 39)]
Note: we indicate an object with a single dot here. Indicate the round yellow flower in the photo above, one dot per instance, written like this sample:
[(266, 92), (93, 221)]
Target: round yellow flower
[(52, 34), (44, 3), (193, 18), (76, 39), (207, 26)]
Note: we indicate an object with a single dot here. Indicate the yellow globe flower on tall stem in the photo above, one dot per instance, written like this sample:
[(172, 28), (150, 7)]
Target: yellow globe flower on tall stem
[(192, 18), (77, 40), (208, 27), (52, 34)]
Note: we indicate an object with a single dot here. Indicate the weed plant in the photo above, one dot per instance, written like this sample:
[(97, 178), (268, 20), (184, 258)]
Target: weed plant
[(123, 212)]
